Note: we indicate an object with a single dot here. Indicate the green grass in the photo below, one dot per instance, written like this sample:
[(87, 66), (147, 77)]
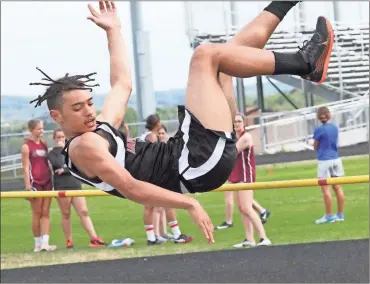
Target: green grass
[(292, 221)]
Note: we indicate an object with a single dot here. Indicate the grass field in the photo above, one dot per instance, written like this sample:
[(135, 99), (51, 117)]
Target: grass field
[(292, 221)]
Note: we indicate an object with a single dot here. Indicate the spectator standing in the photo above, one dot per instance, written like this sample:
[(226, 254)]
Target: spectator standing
[(37, 177), (63, 180)]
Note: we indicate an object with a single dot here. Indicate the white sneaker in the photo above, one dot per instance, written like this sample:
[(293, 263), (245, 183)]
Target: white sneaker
[(46, 247), (161, 239), (169, 236), (264, 242), (326, 219), (245, 244)]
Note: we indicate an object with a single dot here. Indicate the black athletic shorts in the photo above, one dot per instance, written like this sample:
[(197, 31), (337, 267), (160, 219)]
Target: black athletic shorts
[(206, 157)]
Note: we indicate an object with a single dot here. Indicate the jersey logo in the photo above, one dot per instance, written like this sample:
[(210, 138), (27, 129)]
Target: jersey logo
[(39, 153)]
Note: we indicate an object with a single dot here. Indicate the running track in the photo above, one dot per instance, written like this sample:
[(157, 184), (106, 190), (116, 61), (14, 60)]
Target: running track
[(331, 262)]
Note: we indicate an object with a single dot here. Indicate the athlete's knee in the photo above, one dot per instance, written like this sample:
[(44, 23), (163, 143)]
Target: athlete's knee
[(326, 191), (45, 213), (37, 213), (84, 212), (337, 188), (245, 209), (66, 213), (203, 55)]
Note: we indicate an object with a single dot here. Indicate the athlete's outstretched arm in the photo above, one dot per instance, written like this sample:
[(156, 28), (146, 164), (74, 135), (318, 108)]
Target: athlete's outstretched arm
[(114, 107), (90, 154)]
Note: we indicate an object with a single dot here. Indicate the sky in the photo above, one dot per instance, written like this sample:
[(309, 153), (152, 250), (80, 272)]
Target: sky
[(57, 37)]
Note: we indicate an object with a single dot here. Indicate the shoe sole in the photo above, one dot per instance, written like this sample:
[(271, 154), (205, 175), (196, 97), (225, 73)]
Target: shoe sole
[(327, 222), (243, 246), (330, 49)]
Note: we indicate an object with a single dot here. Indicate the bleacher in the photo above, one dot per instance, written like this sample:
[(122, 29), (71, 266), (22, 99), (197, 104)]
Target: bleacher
[(349, 63)]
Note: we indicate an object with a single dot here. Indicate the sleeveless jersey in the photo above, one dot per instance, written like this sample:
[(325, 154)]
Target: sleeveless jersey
[(245, 167), (39, 167), (150, 162)]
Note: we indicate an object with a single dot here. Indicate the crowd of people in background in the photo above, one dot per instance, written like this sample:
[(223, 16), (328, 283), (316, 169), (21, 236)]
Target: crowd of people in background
[(45, 170)]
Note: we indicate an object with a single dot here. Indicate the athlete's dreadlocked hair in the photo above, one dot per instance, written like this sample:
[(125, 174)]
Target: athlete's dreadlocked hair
[(53, 94)]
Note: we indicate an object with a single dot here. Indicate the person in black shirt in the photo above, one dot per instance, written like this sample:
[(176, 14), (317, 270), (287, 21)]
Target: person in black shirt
[(63, 180)]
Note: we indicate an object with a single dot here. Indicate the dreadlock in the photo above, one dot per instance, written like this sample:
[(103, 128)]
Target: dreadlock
[(53, 94)]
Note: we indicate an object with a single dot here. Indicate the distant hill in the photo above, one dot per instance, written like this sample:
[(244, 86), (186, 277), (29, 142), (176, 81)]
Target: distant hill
[(19, 108)]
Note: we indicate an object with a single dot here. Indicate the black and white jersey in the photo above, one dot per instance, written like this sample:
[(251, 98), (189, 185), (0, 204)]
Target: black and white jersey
[(117, 147), (200, 158), (151, 162)]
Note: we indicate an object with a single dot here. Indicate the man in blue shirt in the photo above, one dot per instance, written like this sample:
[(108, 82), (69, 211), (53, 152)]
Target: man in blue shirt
[(329, 164)]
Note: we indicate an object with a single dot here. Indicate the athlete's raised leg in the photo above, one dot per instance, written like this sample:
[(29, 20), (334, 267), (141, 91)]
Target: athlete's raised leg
[(205, 97), (255, 34)]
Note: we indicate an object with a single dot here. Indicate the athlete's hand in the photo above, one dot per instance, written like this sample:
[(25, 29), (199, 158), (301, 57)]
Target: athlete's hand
[(201, 218), (107, 19)]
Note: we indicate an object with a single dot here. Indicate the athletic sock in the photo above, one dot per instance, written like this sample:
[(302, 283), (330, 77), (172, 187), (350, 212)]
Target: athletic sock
[(38, 241), (175, 229), (290, 63), (45, 239), (280, 8), (149, 229)]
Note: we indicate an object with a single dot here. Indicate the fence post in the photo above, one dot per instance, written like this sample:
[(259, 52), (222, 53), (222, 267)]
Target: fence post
[(14, 169)]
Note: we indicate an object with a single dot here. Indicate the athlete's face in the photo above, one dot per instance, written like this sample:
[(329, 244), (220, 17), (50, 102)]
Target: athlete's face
[(238, 123), (38, 131), (77, 114), (162, 135)]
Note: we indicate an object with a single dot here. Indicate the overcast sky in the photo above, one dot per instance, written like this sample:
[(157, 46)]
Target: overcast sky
[(57, 37)]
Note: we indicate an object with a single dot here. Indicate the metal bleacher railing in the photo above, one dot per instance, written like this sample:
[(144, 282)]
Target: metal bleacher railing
[(293, 131), (349, 64)]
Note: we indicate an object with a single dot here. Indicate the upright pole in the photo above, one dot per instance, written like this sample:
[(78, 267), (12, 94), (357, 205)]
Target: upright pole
[(240, 93), (146, 103)]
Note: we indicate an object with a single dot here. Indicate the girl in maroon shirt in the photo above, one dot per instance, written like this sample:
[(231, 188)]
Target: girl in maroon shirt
[(37, 177)]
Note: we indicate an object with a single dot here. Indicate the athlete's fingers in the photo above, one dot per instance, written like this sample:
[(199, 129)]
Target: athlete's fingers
[(113, 6), (92, 10), (209, 227), (108, 6), (203, 227), (102, 6)]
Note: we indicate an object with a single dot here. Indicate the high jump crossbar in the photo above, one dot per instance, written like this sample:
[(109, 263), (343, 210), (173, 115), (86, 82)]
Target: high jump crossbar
[(225, 187)]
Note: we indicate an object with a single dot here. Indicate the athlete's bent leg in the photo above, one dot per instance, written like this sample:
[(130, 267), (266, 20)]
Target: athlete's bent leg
[(255, 34), (204, 95)]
